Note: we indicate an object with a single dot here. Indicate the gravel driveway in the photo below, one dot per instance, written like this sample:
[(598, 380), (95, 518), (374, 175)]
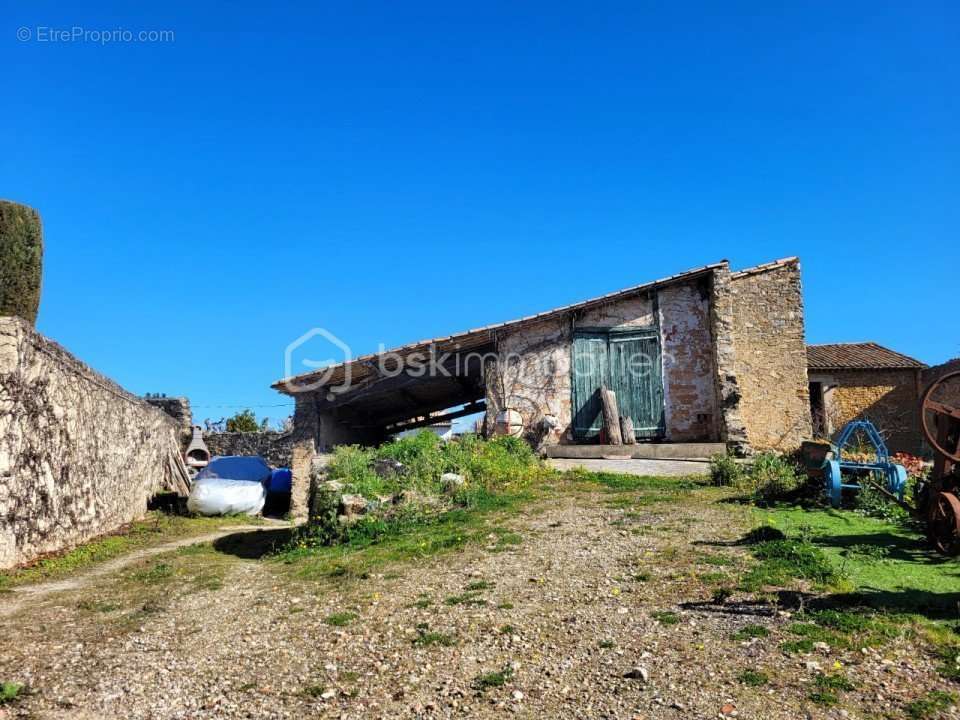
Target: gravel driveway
[(601, 608)]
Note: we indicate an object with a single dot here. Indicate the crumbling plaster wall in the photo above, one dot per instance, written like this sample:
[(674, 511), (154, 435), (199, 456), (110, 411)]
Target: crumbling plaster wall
[(689, 386), (79, 456), (769, 363), (532, 371), (531, 374)]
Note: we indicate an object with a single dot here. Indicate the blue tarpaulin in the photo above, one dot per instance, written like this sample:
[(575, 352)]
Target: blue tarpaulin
[(237, 467)]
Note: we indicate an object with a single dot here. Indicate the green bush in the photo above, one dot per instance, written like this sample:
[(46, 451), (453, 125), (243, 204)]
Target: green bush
[(772, 477), (487, 465), (21, 260), (724, 470), (244, 421)]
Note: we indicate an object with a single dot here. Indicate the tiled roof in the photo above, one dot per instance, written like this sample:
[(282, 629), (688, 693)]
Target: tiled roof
[(857, 356)]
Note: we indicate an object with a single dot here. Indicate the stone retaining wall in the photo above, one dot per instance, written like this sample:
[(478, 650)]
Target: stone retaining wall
[(274, 447), (79, 455)]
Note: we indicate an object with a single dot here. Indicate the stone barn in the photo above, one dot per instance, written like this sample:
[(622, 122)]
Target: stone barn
[(866, 381), (698, 360)]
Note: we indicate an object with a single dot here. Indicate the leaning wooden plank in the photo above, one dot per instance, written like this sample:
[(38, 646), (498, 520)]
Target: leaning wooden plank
[(611, 416), (627, 431)]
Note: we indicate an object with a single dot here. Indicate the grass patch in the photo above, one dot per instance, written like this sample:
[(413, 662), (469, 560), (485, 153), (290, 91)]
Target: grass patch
[(899, 575), (156, 529), (340, 619), (505, 606), (834, 682), (157, 573), (825, 698), (782, 561), (428, 639), (467, 598), (753, 678), (314, 691), (748, 632), (665, 617), (606, 644), (494, 679), (930, 706), (479, 585), (9, 691)]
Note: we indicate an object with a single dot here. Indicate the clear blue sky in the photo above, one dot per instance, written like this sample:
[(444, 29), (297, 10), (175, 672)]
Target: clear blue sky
[(393, 171)]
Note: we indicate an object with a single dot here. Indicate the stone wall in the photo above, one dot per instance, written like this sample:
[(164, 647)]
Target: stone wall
[(688, 363), (179, 409), (887, 398), (79, 456), (274, 447), (770, 355), (531, 374)]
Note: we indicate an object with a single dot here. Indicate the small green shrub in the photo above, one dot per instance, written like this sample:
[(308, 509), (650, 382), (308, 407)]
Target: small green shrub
[(753, 678), (930, 706), (493, 679), (427, 639), (665, 617), (725, 470), (748, 632), (9, 691), (772, 477), (340, 619)]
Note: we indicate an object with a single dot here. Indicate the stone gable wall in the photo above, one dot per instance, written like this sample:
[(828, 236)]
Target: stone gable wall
[(79, 455), (770, 356)]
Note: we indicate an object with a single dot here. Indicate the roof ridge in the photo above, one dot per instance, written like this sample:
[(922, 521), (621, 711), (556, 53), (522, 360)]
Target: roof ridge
[(284, 383)]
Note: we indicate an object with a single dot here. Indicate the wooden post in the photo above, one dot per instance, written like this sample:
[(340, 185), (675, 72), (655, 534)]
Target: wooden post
[(611, 416), (626, 429)]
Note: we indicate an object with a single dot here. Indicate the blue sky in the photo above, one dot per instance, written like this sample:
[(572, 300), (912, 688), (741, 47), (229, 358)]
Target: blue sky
[(395, 171)]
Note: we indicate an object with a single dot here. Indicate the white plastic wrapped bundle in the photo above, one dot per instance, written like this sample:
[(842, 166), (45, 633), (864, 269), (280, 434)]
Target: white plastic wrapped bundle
[(216, 496)]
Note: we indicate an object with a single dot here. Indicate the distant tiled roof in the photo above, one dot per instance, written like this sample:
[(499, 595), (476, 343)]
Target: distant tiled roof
[(857, 356)]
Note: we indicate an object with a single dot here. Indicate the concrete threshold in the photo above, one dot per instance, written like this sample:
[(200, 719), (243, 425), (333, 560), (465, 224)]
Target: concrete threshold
[(641, 451)]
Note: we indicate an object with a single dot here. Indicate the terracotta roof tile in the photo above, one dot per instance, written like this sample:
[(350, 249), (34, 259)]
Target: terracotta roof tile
[(857, 356)]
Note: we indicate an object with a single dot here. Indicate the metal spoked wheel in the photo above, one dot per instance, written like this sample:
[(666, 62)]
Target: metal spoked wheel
[(943, 523)]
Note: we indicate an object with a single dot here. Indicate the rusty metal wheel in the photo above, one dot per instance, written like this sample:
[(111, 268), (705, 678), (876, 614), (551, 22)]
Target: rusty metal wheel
[(947, 413), (943, 523)]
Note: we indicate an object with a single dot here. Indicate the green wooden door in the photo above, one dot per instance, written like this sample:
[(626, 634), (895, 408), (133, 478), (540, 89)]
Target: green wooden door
[(590, 371), (627, 362), (636, 378)]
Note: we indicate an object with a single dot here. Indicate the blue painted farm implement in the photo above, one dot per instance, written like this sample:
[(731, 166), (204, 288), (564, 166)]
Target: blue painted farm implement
[(844, 473)]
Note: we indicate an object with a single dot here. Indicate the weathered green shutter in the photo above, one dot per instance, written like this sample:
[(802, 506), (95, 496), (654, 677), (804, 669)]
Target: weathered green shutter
[(590, 367), (636, 378), (627, 362)]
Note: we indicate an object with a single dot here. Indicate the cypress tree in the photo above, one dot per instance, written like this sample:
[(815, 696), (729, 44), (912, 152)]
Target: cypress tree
[(21, 260)]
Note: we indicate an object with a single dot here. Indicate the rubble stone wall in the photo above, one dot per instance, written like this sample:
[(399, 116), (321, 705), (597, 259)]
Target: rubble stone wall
[(887, 398), (79, 455), (770, 355), (274, 447)]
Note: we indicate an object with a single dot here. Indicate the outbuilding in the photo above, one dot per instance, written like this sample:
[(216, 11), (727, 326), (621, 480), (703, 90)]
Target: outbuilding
[(705, 359)]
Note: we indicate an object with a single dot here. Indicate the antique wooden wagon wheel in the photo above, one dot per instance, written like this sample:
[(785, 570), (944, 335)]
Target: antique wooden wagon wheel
[(943, 508)]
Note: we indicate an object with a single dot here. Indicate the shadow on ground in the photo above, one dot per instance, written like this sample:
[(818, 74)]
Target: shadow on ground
[(255, 544)]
